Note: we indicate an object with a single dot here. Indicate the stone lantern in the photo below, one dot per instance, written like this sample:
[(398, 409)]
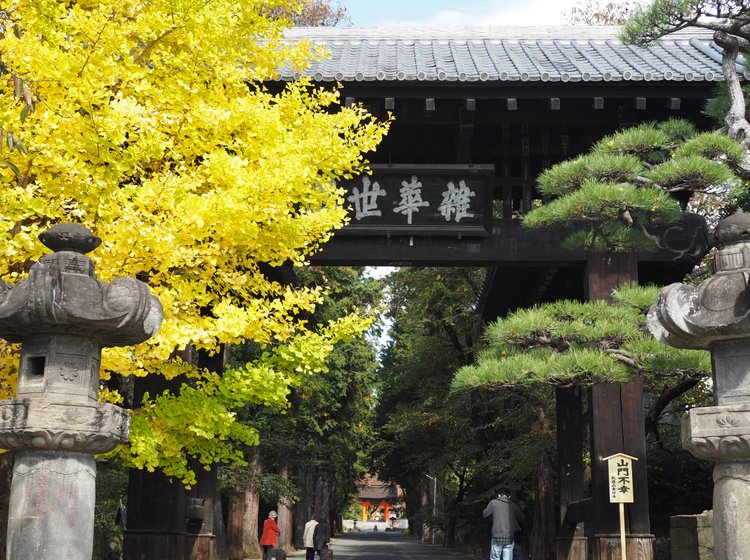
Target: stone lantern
[(63, 316), (715, 316)]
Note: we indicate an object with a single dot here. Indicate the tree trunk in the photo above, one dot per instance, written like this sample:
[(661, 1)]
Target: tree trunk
[(285, 522), (543, 535), (235, 522), (737, 126), (307, 506), (242, 521)]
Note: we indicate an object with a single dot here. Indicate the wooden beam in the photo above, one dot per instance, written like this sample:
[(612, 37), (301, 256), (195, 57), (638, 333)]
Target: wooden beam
[(554, 104), (471, 104), (509, 243), (674, 103), (429, 104), (640, 103), (390, 103), (465, 135), (598, 103), (348, 102), (512, 104)]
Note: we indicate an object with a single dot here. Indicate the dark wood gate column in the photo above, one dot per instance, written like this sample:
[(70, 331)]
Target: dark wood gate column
[(571, 542), (617, 426)]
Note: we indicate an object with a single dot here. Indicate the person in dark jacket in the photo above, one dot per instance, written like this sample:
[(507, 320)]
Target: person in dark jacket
[(506, 517), (322, 535)]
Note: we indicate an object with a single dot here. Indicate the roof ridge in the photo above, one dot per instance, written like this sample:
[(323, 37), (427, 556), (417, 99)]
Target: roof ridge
[(477, 32)]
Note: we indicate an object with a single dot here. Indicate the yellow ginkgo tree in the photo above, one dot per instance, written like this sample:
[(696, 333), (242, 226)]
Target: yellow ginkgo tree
[(149, 123)]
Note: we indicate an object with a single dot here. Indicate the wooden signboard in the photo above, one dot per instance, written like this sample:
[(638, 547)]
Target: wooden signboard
[(620, 469), (412, 199)]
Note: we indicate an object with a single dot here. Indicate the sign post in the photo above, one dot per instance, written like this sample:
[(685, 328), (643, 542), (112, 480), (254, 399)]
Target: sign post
[(620, 467)]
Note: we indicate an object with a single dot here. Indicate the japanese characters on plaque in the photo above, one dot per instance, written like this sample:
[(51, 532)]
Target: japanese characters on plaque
[(420, 199), (620, 470)]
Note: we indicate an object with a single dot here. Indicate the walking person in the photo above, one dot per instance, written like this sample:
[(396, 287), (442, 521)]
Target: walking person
[(269, 535), (506, 516), (308, 540), (321, 536)]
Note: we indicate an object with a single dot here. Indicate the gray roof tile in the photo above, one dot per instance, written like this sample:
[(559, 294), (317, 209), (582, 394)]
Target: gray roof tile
[(487, 54)]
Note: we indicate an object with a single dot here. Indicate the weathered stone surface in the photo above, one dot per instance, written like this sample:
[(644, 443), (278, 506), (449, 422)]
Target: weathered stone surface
[(52, 506), (716, 316), (60, 364), (59, 425), (63, 316), (61, 294), (718, 433), (719, 308), (731, 510)]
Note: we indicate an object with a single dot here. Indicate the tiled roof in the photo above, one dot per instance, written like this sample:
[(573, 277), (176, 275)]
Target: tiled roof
[(491, 54)]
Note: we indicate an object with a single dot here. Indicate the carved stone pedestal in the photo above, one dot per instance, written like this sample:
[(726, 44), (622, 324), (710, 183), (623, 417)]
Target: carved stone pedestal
[(52, 506), (722, 434)]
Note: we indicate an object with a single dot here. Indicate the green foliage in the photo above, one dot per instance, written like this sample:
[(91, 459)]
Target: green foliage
[(111, 492), (326, 431), (649, 143), (661, 17), (424, 428), (608, 212), (269, 485), (714, 146), (717, 106), (690, 173), (633, 179), (565, 342), (571, 174)]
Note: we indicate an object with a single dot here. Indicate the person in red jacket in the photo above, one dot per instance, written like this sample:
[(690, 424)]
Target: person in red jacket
[(268, 538)]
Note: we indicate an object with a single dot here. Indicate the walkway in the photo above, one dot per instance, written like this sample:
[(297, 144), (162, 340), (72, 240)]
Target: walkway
[(385, 545)]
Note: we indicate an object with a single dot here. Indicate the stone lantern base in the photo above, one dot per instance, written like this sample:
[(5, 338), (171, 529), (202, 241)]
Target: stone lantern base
[(51, 513)]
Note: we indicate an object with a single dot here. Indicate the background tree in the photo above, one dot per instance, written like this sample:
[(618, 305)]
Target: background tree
[(424, 430), (596, 12), (728, 20), (320, 441), (149, 124), (314, 13)]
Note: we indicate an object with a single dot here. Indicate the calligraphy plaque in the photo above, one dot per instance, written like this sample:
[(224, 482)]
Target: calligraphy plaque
[(411, 199)]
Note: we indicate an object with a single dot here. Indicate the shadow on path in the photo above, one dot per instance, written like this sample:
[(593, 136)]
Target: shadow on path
[(385, 545)]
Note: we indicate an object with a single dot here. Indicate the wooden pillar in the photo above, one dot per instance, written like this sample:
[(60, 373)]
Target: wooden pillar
[(156, 526), (571, 543), (200, 537), (156, 517), (617, 426), (607, 271), (165, 520)]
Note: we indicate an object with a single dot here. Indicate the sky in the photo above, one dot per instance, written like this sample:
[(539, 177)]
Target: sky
[(458, 12)]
